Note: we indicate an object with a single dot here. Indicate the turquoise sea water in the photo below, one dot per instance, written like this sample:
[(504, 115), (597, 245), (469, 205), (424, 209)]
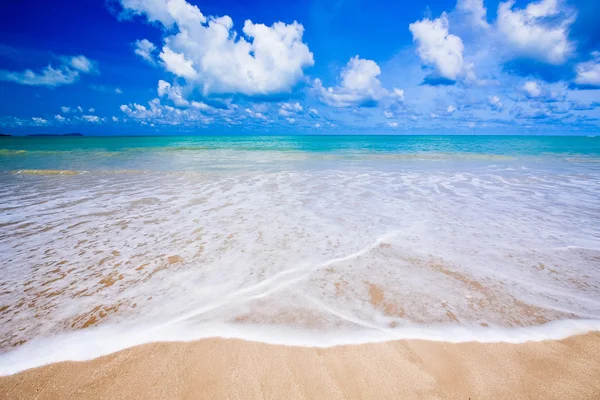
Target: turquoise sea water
[(111, 242), (91, 153)]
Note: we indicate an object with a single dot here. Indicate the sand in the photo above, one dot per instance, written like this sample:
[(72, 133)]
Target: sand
[(409, 369)]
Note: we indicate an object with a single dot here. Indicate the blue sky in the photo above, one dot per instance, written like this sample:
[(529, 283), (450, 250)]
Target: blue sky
[(332, 67)]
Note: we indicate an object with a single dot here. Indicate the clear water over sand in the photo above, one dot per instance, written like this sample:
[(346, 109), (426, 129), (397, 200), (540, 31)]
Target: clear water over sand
[(110, 242)]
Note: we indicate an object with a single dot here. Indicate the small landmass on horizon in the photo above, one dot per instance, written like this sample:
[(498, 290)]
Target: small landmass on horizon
[(55, 134)]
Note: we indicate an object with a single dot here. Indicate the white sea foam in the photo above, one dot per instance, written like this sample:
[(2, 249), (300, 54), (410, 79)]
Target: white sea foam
[(315, 253), (96, 342)]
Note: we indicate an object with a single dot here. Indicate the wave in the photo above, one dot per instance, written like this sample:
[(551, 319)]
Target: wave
[(81, 172), (96, 342), (48, 172)]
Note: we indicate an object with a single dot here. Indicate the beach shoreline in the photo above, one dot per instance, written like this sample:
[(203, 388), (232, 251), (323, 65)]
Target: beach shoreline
[(407, 369)]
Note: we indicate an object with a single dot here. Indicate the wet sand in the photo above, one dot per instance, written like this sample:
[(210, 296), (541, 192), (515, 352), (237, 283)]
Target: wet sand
[(407, 369)]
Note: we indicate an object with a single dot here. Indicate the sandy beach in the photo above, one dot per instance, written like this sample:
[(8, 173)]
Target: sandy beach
[(236, 369)]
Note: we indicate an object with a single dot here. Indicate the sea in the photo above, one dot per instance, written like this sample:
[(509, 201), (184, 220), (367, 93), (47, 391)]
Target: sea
[(111, 242)]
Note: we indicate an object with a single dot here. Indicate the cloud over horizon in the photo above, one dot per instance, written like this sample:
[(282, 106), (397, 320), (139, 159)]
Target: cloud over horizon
[(207, 53), (473, 66), (68, 72)]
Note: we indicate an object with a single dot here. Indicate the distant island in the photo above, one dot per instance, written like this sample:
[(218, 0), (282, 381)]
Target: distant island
[(4, 134), (56, 134)]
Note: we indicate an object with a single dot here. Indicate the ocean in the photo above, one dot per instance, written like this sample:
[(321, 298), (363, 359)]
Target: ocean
[(109, 242)]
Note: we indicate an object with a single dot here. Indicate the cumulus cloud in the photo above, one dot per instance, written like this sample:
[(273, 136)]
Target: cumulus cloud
[(39, 121), (208, 54), (67, 73), (290, 109), (92, 118), (157, 113), (475, 11), (81, 64), (438, 48), (359, 86), (392, 124), (495, 102), (534, 90), (450, 110), (67, 110), (539, 31), (59, 118), (399, 94), (145, 49), (173, 93), (256, 115), (588, 73), (11, 121)]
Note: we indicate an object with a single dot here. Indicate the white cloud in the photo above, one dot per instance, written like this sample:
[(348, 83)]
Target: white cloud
[(157, 113), (256, 115), (475, 10), (73, 110), (210, 55), (532, 89), (399, 93), (39, 121), (291, 120), (92, 110), (438, 48), (59, 118), (313, 111), (80, 63), (145, 49), (289, 109), (68, 72), (178, 64), (199, 105), (115, 119), (359, 86), (91, 118), (167, 12), (495, 102), (588, 73), (450, 110), (118, 90), (173, 93), (388, 114), (537, 91), (392, 124), (539, 31)]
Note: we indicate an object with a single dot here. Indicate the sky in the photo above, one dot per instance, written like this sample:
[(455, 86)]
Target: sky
[(129, 67)]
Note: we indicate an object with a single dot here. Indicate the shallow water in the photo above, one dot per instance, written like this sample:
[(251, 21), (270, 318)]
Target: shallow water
[(111, 242)]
